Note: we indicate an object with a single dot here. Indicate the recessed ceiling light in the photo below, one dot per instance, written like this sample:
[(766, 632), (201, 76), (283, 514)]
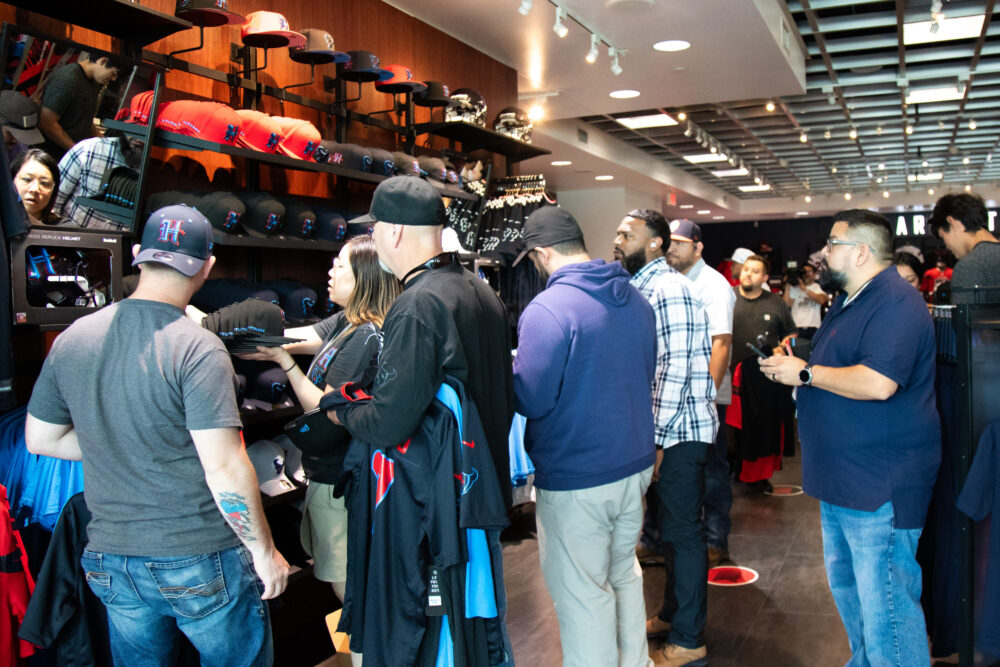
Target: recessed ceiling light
[(725, 173), (932, 176), (808, 199), (965, 160), (972, 124), (687, 206), (945, 94), (885, 194), (803, 138), (881, 165), (718, 217), (930, 191), (802, 213), (704, 211), (847, 196), (561, 163), (650, 120), (672, 45), (755, 188), (959, 27), (625, 94), (706, 157), (968, 188), (604, 177), (908, 129)]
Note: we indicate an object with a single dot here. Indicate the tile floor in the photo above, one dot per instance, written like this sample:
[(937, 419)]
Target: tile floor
[(786, 618)]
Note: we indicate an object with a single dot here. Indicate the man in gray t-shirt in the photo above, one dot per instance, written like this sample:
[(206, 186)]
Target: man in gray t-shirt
[(145, 398), (961, 221)]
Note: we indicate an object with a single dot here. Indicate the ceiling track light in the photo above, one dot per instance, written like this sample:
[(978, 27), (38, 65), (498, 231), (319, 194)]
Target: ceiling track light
[(616, 68), (595, 41), (559, 28), (972, 124), (524, 8), (908, 129), (769, 106), (803, 137), (853, 133), (689, 129)]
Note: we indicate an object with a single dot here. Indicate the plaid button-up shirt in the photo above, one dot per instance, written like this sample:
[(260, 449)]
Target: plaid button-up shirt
[(80, 173), (683, 390)]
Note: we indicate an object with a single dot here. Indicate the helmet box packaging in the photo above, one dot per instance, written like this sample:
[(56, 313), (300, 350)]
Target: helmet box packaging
[(60, 275)]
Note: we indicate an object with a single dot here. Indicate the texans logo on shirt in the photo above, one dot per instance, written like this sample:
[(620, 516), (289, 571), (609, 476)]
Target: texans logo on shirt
[(384, 470), (467, 479)]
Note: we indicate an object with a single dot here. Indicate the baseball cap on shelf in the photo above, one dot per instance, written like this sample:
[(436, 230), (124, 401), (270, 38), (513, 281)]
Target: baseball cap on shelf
[(19, 116), (685, 230), (400, 81), (330, 225), (299, 137), (179, 237), (207, 13), (297, 300), (300, 219), (546, 227), (268, 30), (224, 210), (436, 95), (434, 169), (401, 200), (318, 49), (264, 216), (269, 463), (383, 163), (740, 255), (258, 131), (362, 66), (406, 165), (348, 156)]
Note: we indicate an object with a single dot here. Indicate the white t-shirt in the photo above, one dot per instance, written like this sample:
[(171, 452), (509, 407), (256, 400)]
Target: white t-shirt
[(805, 311), (719, 299)]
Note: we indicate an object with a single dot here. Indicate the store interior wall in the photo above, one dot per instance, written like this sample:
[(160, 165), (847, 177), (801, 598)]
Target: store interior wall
[(598, 211)]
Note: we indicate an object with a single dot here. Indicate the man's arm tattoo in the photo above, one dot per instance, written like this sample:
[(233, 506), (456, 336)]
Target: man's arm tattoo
[(236, 512)]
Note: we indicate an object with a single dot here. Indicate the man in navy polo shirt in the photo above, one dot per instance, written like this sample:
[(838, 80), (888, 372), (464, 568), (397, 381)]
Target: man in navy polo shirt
[(871, 440)]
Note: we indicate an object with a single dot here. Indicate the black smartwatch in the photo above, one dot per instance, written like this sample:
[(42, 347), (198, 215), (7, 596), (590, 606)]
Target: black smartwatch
[(806, 375)]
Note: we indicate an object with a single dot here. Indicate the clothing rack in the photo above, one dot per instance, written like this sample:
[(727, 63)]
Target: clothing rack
[(519, 185)]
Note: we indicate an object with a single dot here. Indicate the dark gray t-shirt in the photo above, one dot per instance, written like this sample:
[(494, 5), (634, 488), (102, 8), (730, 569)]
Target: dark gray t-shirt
[(981, 266), (72, 97), (134, 378)]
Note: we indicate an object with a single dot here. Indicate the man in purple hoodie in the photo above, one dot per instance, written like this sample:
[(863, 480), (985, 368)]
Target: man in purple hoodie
[(582, 377)]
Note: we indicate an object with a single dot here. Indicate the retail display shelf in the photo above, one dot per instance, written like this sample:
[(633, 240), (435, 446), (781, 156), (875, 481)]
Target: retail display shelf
[(108, 210), (128, 20), (283, 242), (474, 137), (166, 139)]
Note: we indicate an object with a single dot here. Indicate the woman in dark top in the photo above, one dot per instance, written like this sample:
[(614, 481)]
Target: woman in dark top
[(342, 346), (36, 180)]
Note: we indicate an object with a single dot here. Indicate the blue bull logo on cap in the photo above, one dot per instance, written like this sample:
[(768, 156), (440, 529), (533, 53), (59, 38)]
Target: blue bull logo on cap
[(170, 231)]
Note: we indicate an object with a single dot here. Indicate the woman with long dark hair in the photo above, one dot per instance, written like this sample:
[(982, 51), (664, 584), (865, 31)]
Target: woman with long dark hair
[(342, 347), (36, 180)]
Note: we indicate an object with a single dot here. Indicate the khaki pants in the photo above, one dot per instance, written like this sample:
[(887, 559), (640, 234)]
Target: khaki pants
[(586, 543)]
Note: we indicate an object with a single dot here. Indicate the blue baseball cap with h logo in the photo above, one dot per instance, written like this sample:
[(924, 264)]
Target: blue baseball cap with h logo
[(178, 236)]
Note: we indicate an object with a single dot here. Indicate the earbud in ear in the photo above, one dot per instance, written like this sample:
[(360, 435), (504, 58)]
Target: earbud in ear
[(653, 246)]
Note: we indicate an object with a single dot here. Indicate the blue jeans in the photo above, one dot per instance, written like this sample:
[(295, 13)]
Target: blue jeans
[(681, 492), (875, 580), (718, 488), (214, 599)]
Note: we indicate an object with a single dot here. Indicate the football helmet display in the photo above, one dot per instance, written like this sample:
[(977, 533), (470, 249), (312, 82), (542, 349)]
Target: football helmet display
[(466, 105), (514, 122)]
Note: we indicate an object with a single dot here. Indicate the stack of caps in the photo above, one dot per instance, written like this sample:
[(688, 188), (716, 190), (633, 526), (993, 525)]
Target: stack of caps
[(119, 185), (259, 131), (299, 138), (248, 324), (221, 292), (211, 121)]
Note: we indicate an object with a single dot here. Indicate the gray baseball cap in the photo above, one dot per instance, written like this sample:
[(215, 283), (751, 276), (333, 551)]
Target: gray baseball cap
[(19, 116)]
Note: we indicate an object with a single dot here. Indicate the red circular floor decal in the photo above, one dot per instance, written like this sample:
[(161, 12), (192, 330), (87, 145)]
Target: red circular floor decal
[(732, 575), (785, 490)]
